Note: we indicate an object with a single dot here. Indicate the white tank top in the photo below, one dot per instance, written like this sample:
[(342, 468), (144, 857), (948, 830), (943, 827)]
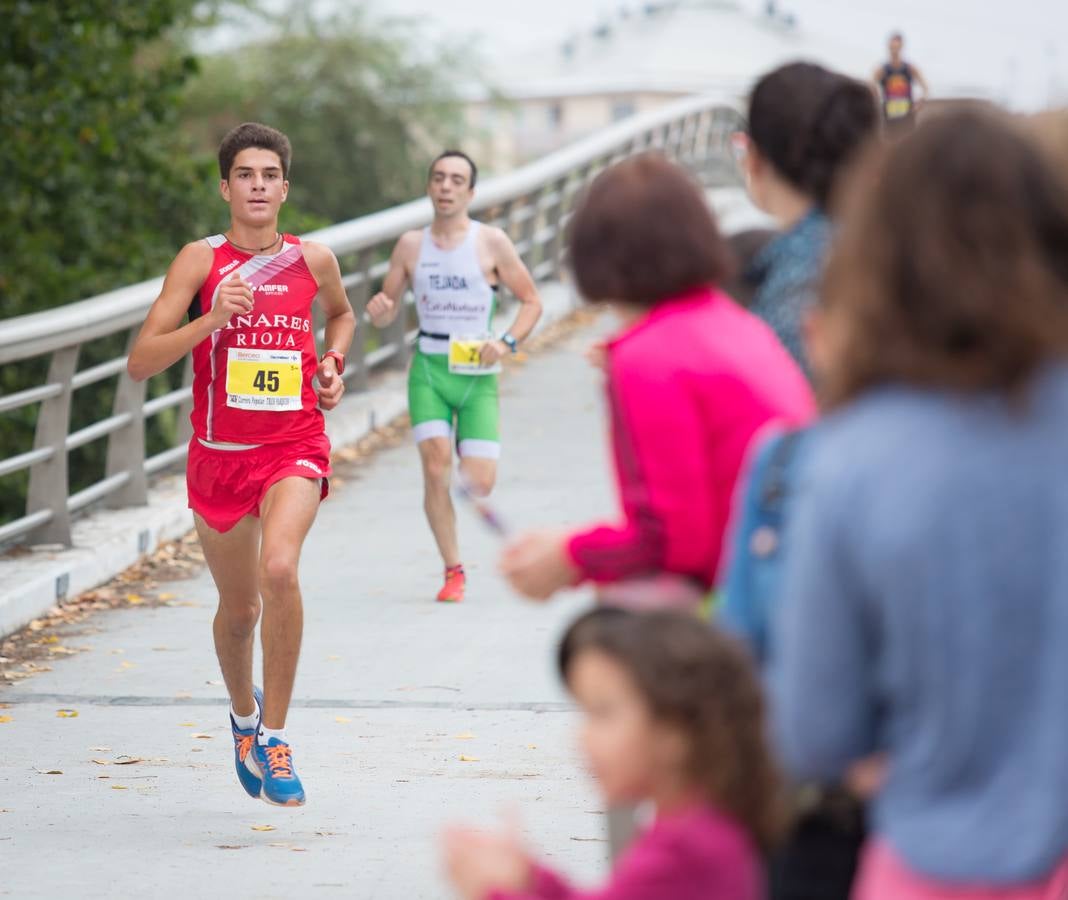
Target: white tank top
[(452, 295)]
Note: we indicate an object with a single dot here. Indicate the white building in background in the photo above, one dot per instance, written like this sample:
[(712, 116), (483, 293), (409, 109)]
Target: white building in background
[(647, 53)]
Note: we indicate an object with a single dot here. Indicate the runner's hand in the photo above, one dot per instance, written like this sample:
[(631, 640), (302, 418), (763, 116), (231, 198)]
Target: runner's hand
[(381, 309), (536, 564), (331, 387), (234, 299), (479, 863), (597, 355), (491, 353)]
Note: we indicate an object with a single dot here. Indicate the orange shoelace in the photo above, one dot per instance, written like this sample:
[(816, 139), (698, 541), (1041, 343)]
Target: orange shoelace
[(278, 759), (244, 745)]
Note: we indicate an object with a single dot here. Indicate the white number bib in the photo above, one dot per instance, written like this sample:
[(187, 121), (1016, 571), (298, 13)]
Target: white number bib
[(465, 356), (264, 380)]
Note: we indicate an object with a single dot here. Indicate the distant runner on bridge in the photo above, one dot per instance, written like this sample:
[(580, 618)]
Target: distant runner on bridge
[(259, 458), (455, 266), (895, 81)]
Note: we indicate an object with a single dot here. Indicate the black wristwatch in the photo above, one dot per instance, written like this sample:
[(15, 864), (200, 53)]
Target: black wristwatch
[(511, 342)]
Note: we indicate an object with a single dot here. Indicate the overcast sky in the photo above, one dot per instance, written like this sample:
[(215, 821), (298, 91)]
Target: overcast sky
[(1017, 50)]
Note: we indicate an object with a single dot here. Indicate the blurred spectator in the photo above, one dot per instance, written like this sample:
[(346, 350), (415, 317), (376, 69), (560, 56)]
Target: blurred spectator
[(691, 379), (806, 124), (924, 614), (672, 715)]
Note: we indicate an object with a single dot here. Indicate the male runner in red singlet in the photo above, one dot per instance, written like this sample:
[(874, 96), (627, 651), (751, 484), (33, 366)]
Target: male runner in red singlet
[(259, 458)]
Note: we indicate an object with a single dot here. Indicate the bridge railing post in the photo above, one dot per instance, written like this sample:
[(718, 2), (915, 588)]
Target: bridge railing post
[(49, 485), (359, 295), (126, 445)]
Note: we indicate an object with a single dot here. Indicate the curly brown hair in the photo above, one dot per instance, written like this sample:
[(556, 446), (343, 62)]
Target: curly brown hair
[(699, 679), (951, 266), (253, 134)]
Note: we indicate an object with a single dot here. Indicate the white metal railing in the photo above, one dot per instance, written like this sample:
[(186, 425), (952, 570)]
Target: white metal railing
[(532, 204)]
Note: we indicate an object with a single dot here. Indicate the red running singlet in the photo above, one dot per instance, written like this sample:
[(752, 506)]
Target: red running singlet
[(252, 380)]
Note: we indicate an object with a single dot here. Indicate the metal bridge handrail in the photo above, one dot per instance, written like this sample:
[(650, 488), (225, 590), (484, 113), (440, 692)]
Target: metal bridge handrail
[(533, 204)]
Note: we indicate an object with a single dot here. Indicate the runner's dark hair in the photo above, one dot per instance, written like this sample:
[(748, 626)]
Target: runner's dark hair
[(810, 123), (253, 134), (698, 679), (445, 154)]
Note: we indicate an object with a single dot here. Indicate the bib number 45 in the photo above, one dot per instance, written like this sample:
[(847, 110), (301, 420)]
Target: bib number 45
[(267, 381)]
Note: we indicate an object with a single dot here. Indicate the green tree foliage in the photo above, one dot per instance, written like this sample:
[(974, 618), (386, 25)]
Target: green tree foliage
[(364, 103), (99, 185)]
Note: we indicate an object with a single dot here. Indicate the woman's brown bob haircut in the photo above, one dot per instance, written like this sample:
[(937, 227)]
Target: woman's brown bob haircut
[(951, 266), (698, 679), (643, 233)]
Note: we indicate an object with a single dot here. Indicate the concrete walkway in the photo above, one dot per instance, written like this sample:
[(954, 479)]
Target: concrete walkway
[(407, 714)]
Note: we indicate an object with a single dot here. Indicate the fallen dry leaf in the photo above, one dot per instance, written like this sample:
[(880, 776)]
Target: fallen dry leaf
[(187, 724), (464, 736), (333, 657), (66, 714), (165, 597), (119, 787), (201, 736), (468, 758), (100, 749), (4, 720), (231, 846), (52, 772), (342, 719), (263, 828), (128, 760), (127, 665), (101, 762), (134, 599), (50, 639)]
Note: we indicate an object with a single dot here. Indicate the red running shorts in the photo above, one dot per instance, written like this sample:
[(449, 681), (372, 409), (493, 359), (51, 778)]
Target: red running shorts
[(226, 485)]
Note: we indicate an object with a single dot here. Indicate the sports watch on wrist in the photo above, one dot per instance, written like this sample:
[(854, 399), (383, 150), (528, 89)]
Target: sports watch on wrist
[(339, 360), (510, 341)]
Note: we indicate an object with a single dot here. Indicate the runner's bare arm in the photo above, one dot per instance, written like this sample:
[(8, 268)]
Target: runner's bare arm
[(383, 307), (163, 340), (515, 276), (340, 319), (922, 82)]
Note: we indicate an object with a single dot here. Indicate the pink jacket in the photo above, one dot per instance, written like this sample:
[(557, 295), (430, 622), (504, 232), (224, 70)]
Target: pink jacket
[(688, 386), (695, 855)]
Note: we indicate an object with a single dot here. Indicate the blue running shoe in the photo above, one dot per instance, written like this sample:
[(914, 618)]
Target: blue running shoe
[(244, 738), (272, 763)]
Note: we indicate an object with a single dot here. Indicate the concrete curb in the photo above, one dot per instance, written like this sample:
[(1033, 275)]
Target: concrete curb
[(106, 541)]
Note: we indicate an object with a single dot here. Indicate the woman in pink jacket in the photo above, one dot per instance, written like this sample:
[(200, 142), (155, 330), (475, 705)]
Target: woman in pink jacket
[(691, 379)]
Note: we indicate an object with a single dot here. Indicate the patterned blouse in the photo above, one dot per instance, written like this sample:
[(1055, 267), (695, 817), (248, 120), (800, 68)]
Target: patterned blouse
[(787, 271)]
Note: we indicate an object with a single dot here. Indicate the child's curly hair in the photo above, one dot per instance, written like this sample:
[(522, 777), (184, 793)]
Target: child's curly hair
[(696, 677)]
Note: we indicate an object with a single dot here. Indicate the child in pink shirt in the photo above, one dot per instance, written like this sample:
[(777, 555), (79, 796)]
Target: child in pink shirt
[(673, 715)]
